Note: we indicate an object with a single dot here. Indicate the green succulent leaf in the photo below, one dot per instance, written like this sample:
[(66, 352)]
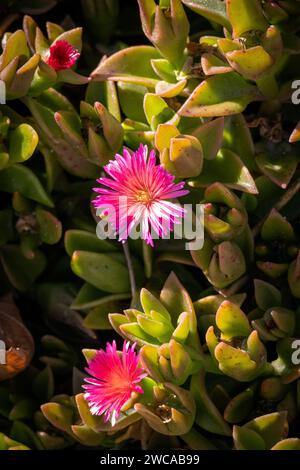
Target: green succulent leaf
[(239, 407), (22, 143), (235, 362), (279, 168), (97, 424), (210, 135), (266, 295), (16, 45), (97, 317), (221, 95), (208, 417), (21, 271), (102, 271), (150, 302), (59, 415), (21, 432), (156, 110), (129, 65), (182, 413), (238, 139), (232, 321), (19, 178), (71, 158), (271, 427), (87, 436), (213, 10), (247, 439), (287, 444), (245, 15), (167, 28), (86, 241), (43, 385), (252, 63), (23, 410), (131, 98), (213, 65), (227, 168), (276, 227), (294, 277), (50, 228), (175, 298)]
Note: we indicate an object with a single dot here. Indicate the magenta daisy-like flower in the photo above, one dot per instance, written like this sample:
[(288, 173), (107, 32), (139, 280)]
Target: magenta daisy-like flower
[(62, 55), (113, 378), (138, 193)]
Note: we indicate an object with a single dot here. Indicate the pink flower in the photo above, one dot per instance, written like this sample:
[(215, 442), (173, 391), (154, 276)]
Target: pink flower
[(62, 55), (138, 193), (113, 380)]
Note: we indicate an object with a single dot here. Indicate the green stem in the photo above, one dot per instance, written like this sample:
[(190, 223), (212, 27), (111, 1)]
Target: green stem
[(148, 259), (130, 268)]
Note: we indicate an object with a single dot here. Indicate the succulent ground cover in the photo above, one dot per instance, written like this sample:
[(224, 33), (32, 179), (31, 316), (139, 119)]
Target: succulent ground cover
[(119, 343)]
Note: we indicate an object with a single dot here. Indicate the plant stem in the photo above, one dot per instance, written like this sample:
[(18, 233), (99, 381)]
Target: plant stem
[(148, 259), (130, 268)]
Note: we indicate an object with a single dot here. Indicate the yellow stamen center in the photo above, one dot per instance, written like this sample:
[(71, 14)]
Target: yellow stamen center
[(143, 196)]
